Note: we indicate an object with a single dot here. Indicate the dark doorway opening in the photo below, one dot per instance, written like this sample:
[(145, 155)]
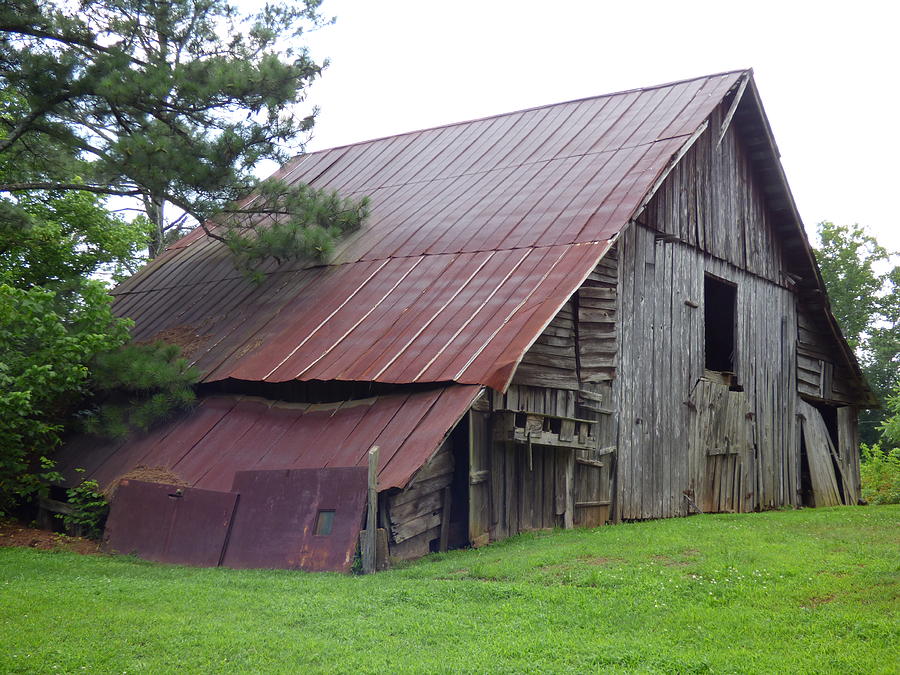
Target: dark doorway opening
[(459, 488), (806, 489), (719, 319), (830, 417)]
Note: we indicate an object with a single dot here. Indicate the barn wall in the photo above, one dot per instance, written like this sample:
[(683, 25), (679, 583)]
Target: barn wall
[(819, 374), (711, 202), (662, 360), (562, 477), (709, 216)]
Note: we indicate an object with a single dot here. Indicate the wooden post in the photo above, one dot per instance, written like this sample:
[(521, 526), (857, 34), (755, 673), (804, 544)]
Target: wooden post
[(569, 514), (369, 542), (445, 519)]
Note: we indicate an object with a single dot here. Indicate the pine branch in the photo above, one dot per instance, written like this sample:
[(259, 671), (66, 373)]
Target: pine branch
[(68, 40), (51, 185), (21, 128)]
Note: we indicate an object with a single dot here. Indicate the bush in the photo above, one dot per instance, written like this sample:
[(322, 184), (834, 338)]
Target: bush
[(89, 510), (880, 474)]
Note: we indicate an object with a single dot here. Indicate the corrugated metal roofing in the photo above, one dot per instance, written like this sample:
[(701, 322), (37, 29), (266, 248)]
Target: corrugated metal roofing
[(478, 233), (228, 434)]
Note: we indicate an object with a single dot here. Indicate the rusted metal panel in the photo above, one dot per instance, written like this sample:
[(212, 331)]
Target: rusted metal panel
[(463, 216), (168, 523), (275, 524), (223, 435)]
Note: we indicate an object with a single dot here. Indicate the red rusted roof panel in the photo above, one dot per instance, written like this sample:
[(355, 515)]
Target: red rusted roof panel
[(169, 523), (471, 224), (275, 523), (223, 435)]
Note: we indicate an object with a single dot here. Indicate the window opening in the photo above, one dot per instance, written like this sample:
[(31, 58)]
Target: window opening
[(719, 319), (324, 522)]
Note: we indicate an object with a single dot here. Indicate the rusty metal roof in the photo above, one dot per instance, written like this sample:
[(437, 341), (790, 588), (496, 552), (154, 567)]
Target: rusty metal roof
[(478, 234), (226, 434)]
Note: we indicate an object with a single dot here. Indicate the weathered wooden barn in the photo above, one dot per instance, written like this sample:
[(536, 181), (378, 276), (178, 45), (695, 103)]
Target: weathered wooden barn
[(599, 310)]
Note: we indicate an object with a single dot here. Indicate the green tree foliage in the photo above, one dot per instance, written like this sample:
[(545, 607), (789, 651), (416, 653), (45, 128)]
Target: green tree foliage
[(47, 340), (57, 331), (863, 282), (169, 101), (301, 221)]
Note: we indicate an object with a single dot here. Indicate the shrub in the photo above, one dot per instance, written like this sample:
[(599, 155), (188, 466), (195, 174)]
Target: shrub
[(880, 474), (89, 510)]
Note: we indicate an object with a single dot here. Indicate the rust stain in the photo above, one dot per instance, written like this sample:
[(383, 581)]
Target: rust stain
[(185, 336)]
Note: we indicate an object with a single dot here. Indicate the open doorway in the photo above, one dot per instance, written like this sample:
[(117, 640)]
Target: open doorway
[(719, 323), (459, 489)]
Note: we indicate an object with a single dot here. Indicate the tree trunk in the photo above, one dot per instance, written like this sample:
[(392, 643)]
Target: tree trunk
[(155, 206)]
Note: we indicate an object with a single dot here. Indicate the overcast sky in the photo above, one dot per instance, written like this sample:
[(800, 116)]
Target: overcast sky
[(827, 73)]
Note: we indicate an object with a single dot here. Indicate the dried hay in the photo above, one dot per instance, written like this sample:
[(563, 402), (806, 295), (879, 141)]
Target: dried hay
[(156, 474)]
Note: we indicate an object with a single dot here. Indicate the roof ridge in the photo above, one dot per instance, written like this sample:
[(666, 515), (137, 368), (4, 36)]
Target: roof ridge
[(516, 112)]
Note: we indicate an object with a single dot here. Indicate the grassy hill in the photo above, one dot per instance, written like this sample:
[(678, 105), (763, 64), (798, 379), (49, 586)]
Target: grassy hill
[(787, 592)]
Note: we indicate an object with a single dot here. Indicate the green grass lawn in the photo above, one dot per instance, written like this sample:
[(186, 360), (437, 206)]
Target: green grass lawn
[(778, 592)]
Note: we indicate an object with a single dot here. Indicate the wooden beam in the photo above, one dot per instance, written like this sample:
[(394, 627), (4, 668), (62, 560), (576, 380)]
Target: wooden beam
[(589, 462), (671, 165), (569, 513), (369, 543), (445, 518), (732, 109)]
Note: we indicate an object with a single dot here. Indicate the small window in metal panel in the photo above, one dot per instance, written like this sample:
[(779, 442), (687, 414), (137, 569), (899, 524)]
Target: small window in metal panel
[(324, 522)]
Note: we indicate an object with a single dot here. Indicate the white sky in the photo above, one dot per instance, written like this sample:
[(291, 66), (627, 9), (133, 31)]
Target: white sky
[(827, 73)]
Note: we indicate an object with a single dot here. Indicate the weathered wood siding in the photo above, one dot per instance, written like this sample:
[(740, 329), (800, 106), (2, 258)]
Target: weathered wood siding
[(413, 516), (661, 361), (820, 373), (848, 451), (579, 345), (709, 216), (711, 202), (538, 485)]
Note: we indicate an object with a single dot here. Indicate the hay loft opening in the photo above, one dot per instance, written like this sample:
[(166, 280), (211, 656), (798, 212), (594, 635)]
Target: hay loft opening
[(719, 318)]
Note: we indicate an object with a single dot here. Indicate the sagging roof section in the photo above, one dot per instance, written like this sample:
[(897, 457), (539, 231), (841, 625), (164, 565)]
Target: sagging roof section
[(225, 434), (478, 233)]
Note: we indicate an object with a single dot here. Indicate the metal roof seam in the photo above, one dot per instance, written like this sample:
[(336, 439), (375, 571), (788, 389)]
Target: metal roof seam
[(359, 321), (226, 332), (434, 316), (370, 260), (508, 315), (480, 172), (440, 351), (538, 107), (325, 320)]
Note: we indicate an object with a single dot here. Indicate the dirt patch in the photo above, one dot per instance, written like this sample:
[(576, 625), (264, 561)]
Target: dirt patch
[(599, 560), (148, 474), (670, 562), (16, 534), (186, 336), (814, 602)]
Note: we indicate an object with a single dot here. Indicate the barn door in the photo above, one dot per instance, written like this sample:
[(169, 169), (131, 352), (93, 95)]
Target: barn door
[(591, 487), (821, 457), (479, 478), (721, 444)]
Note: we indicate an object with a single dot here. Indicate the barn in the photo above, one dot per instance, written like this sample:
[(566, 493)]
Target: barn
[(588, 312)]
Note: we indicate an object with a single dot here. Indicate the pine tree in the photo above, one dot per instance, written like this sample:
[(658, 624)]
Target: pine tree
[(172, 102)]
